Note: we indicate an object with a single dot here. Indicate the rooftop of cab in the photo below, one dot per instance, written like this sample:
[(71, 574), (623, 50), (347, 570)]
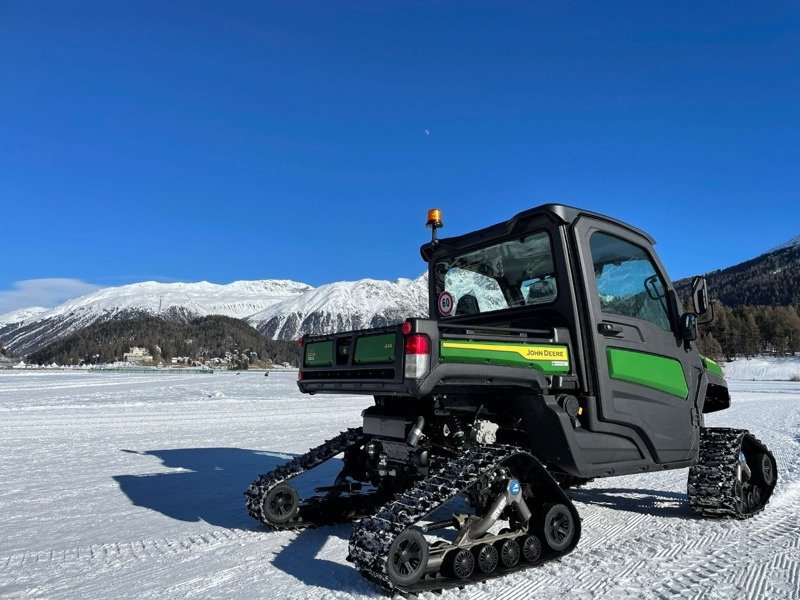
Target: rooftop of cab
[(559, 213)]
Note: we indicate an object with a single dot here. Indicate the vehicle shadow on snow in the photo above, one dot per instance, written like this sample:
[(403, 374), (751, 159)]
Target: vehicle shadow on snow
[(299, 559), (209, 487), (648, 502)]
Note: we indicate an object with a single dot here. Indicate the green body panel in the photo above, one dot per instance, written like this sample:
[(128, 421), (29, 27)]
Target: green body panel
[(550, 359), (375, 349), (712, 367), (319, 354), (650, 370)]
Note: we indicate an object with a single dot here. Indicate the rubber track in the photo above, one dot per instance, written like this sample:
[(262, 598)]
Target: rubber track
[(373, 536), (298, 465), (710, 485)]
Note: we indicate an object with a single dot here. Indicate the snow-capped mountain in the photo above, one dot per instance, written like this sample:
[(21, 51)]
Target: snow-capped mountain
[(28, 330), (17, 316), (343, 306)]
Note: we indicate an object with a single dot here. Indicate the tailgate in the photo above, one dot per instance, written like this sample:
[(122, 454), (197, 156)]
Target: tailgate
[(369, 360)]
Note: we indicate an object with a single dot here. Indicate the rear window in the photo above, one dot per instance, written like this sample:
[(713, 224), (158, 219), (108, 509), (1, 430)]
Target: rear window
[(514, 273)]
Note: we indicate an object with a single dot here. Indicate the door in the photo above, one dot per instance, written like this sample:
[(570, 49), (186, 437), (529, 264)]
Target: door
[(646, 380)]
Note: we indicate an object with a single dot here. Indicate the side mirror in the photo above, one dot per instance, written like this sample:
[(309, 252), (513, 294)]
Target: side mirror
[(689, 327), (699, 295)]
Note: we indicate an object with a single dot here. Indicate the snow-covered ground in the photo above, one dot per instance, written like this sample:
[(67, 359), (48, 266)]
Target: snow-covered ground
[(130, 486), (763, 368)]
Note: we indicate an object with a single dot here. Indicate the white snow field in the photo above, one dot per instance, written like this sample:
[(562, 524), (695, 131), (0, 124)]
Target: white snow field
[(130, 486), (763, 368)]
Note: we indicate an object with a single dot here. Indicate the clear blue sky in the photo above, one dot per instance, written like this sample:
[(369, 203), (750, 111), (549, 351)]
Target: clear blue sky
[(241, 140)]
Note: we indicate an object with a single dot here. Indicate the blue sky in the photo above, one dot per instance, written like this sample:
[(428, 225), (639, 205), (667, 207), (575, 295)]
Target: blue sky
[(245, 140)]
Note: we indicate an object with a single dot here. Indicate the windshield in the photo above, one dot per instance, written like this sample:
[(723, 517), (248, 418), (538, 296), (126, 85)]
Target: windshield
[(514, 273)]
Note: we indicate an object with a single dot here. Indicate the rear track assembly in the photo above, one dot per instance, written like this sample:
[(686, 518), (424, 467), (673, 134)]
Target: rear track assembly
[(390, 547)]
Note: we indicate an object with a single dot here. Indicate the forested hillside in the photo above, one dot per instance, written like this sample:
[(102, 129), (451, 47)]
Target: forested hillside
[(772, 279), (751, 330), (756, 306), (202, 338)]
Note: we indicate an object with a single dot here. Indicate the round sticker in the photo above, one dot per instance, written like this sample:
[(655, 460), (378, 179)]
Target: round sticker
[(445, 304)]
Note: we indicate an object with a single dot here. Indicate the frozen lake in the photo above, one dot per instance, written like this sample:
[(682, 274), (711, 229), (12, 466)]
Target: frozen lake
[(130, 486)]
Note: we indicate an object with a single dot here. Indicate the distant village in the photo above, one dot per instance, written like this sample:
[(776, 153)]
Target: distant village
[(140, 357)]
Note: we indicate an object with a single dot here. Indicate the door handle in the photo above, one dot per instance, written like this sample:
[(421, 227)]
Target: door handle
[(609, 328)]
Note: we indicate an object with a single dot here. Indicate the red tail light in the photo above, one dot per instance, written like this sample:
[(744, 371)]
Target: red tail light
[(419, 343), (301, 341), (406, 327), (418, 355)]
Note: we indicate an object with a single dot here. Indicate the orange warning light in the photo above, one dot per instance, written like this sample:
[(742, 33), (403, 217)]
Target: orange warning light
[(434, 218)]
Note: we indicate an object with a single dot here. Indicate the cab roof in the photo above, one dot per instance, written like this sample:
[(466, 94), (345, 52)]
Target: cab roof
[(558, 213)]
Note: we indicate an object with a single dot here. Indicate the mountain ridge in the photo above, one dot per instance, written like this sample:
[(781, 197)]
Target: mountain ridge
[(175, 302)]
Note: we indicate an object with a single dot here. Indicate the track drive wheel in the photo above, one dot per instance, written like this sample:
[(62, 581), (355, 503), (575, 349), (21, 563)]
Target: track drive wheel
[(408, 558), (281, 504), (557, 526), (765, 469)]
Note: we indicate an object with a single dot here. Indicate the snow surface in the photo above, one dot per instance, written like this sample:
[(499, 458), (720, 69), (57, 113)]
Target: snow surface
[(763, 368), (130, 486)]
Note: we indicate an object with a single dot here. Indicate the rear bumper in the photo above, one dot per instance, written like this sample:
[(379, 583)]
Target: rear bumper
[(443, 378)]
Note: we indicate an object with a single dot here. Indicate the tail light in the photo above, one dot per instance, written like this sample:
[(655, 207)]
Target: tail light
[(418, 355)]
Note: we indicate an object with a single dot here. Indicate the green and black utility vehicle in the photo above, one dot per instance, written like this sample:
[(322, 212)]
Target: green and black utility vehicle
[(556, 351)]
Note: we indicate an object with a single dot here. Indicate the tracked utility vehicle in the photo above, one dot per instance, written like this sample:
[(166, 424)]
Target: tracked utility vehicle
[(556, 352)]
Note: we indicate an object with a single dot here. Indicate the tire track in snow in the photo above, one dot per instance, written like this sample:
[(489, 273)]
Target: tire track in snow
[(138, 550)]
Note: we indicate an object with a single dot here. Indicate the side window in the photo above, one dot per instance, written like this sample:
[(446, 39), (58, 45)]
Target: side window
[(627, 280)]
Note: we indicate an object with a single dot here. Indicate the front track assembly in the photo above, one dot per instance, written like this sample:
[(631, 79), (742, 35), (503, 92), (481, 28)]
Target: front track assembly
[(735, 474), (507, 483)]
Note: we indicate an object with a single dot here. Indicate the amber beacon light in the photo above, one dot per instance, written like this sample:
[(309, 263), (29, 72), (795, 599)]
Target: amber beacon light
[(434, 222)]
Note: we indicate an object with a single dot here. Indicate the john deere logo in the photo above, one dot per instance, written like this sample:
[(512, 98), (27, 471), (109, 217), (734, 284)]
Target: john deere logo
[(545, 353)]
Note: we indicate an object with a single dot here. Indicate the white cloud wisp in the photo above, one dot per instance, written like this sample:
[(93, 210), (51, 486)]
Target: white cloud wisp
[(46, 292)]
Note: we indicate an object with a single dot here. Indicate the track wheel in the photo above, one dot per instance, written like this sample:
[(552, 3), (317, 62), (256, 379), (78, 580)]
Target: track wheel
[(509, 553), (531, 548), (408, 558), (461, 563), (558, 526), (281, 504), (487, 558), (765, 470)]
